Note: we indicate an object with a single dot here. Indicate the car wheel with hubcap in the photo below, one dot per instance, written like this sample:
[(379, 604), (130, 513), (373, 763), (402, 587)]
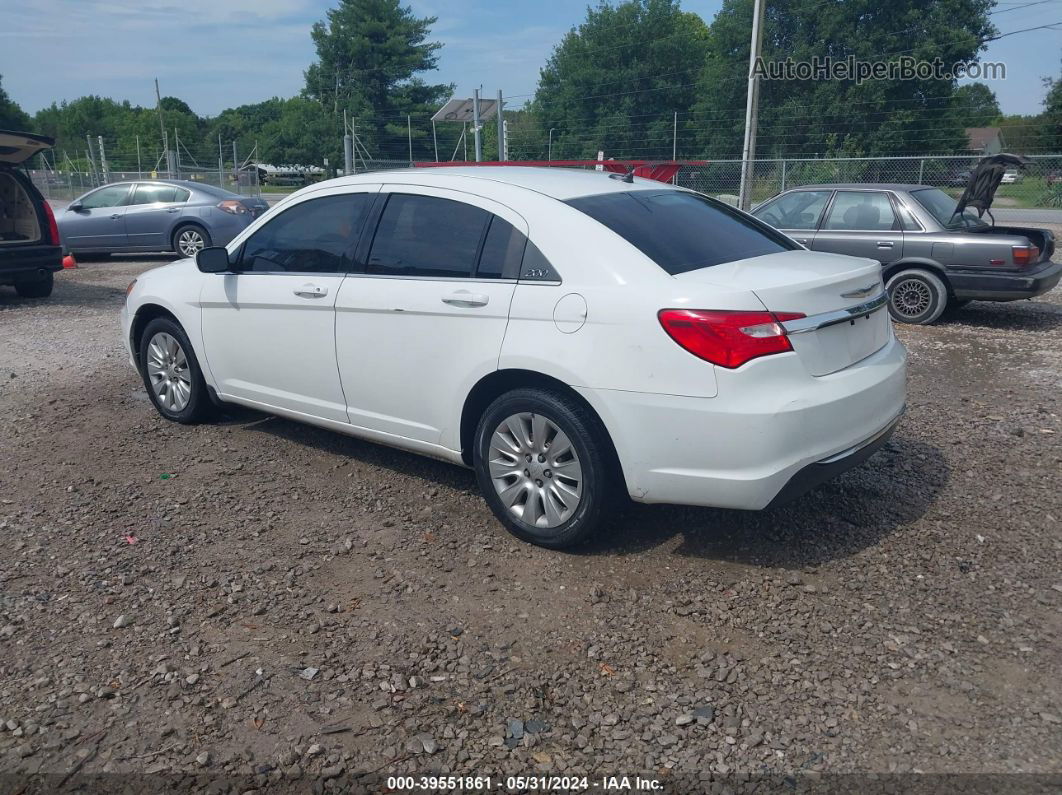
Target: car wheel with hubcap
[(546, 467), (916, 296), (171, 373), (190, 240)]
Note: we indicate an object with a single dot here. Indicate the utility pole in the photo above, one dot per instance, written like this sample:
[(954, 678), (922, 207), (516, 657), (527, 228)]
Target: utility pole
[(177, 152), (674, 138), (235, 166), (435, 140), (221, 164), (103, 160), (501, 130), (549, 147), (139, 170), (464, 139), (409, 133), (91, 159), (752, 105), (475, 123), (162, 129), (348, 146)]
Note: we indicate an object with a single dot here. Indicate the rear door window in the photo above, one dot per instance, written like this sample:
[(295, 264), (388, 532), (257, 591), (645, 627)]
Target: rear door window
[(682, 231), (159, 194), (503, 250), (427, 236), (861, 211)]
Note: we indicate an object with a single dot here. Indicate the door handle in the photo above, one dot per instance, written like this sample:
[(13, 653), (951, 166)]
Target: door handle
[(311, 291), (173, 209), (884, 244), (801, 240), (116, 216), (465, 298)]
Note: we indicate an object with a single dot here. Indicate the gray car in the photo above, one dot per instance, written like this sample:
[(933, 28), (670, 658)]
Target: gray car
[(933, 258), (155, 215)]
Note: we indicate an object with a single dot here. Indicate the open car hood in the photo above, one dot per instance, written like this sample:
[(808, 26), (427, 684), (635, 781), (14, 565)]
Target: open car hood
[(17, 147), (981, 189)]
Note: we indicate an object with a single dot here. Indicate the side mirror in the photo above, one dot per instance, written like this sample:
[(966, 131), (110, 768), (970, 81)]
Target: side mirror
[(212, 260), (74, 207)]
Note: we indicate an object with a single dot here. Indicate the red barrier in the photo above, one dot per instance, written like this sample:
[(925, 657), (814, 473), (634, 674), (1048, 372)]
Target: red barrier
[(661, 171)]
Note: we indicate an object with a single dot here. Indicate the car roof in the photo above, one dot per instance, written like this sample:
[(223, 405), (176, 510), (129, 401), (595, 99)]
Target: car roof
[(558, 183), (894, 186)]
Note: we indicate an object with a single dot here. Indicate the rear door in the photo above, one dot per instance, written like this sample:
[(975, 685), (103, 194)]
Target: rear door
[(99, 221), (269, 327), (151, 212), (797, 213), (862, 223), (425, 318)]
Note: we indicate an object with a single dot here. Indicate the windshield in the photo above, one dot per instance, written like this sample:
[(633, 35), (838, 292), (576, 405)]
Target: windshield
[(942, 207), (682, 231)]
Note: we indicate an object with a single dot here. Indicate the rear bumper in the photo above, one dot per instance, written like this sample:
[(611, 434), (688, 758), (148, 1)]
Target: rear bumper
[(772, 432), (23, 263), (1006, 286)]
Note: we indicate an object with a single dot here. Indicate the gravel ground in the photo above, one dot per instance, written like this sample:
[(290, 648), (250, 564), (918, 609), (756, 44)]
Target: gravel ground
[(264, 600)]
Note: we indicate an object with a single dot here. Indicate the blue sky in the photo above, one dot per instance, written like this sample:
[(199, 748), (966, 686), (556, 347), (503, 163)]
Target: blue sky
[(221, 53)]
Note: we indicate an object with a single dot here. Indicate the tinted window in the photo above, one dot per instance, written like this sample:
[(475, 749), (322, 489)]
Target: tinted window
[(503, 250), (861, 211), (682, 231), (426, 236), (154, 194), (799, 210), (111, 196), (312, 237)]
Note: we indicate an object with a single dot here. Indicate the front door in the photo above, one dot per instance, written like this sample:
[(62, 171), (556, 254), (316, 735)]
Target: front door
[(151, 212), (99, 222), (427, 316), (269, 326), (861, 223)]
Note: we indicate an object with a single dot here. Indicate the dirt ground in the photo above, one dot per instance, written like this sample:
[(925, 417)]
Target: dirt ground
[(269, 605)]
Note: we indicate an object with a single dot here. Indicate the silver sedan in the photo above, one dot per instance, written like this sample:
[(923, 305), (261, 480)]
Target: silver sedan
[(155, 215)]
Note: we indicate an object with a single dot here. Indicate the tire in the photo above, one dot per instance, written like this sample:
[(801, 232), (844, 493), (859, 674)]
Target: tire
[(184, 397), (916, 296), (38, 288), (189, 239), (589, 490)]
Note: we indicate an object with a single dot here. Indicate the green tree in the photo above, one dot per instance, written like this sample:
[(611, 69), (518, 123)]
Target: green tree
[(614, 82), (12, 117), (840, 117), (975, 105), (369, 56), (1052, 116)]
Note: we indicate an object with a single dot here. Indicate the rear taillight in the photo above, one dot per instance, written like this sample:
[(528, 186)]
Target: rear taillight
[(53, 227), (233, 206), (1025, 255), (725, 337)]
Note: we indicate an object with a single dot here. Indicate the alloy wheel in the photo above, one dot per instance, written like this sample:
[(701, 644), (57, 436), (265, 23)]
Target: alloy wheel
[(167, 369), (189, 242), (535, 470)]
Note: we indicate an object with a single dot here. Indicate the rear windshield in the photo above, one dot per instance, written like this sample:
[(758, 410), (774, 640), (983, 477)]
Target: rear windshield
[(682, 231)]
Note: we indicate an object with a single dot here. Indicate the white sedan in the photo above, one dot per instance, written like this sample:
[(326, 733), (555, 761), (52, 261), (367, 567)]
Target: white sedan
[(574, 337)]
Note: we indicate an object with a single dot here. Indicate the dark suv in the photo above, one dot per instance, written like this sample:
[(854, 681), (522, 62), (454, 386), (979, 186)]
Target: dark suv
[(30, 252)]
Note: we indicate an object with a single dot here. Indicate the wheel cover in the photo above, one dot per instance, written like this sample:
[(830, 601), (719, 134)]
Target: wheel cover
[(167, 369), (189, 242), (535, 470), (912, 297)]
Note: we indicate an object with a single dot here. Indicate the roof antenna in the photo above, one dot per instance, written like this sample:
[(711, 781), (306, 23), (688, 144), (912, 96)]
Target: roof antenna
[(628, 177)]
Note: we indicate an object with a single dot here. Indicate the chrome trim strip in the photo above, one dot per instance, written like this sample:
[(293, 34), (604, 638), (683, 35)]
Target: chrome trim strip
[(857, 447), (815, 322)]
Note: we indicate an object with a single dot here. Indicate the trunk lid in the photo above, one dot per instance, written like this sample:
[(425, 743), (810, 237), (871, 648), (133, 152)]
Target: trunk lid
[(18, 147), (822, 287)]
